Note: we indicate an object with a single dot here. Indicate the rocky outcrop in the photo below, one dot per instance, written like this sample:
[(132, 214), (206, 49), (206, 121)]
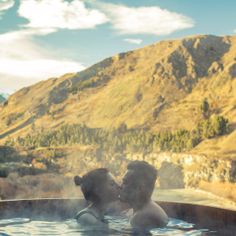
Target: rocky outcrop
[(232, 70), (233, 171), (175, 170), (189, 169), (171, 176)]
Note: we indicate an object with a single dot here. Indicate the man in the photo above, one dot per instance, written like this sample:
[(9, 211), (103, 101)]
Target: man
[(137, 188)]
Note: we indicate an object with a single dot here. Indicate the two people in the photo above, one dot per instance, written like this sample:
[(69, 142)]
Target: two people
[(99, 188)]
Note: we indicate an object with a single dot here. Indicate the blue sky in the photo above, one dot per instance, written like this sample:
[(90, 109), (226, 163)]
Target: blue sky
[(47, 38)]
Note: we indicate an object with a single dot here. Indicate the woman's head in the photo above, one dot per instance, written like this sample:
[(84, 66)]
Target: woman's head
[(98, 186)]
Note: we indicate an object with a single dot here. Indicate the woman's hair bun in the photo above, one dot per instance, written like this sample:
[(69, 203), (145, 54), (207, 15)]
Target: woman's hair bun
[(77, 180)]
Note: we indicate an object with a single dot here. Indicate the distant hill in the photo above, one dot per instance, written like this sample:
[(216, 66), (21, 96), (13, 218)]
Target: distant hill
[(160, 87), (2, 98)]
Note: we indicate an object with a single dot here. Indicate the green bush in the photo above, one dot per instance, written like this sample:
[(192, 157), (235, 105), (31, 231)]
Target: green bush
[(213, 127)]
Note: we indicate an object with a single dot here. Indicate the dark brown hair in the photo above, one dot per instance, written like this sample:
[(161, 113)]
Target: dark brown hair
[(145, 174), (90, 182)]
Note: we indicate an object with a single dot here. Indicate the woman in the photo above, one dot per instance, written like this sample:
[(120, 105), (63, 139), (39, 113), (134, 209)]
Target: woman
[(99, 188)]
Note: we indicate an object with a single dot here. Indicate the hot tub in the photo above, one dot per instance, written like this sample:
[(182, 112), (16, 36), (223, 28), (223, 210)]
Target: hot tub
[(220, 221)]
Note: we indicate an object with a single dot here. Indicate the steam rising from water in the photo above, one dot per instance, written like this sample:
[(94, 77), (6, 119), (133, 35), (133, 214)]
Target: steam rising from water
[(39, 186)]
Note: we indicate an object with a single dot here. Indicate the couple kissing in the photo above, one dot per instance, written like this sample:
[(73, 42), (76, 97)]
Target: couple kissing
[(100, 189)]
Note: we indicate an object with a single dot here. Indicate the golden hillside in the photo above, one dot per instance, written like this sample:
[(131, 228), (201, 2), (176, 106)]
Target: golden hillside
[(160, 86)]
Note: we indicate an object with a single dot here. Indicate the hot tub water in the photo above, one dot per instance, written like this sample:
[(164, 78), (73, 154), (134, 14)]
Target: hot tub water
[(118, 226)]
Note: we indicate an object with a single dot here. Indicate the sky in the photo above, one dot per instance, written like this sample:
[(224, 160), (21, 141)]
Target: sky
[(40, 39)]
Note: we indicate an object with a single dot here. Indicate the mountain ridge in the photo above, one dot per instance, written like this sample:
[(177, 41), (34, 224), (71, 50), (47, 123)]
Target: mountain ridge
[(160, 87)]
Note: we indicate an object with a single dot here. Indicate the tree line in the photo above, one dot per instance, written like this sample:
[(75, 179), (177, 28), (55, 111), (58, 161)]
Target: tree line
[(123, 139)]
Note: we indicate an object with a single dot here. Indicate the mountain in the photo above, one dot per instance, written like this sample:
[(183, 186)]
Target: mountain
[(2, 98), (160, 87)]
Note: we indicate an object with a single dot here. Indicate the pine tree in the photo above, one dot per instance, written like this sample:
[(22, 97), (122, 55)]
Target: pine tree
[(205, 109)]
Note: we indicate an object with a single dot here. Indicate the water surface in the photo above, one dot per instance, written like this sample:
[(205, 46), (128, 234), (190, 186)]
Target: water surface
[(118, 226)]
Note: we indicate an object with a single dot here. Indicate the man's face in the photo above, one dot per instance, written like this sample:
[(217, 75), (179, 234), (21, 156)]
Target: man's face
[(130, 188)]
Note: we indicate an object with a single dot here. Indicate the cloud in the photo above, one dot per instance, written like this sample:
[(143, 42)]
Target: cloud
[(63, 14), (60, 14), (145, 20), (134, 41), (23, 62), (6, 4)]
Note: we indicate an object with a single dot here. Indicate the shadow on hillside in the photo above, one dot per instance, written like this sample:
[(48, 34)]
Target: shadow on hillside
[(232, 126), (21, 126)]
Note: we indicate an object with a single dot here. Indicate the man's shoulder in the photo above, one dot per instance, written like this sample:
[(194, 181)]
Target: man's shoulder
[(151, 214), (153, 206), (155, 210)]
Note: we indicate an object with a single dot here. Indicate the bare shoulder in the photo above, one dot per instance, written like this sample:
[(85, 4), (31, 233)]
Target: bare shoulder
[(88, 218), (155, 209), (152, 215)]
